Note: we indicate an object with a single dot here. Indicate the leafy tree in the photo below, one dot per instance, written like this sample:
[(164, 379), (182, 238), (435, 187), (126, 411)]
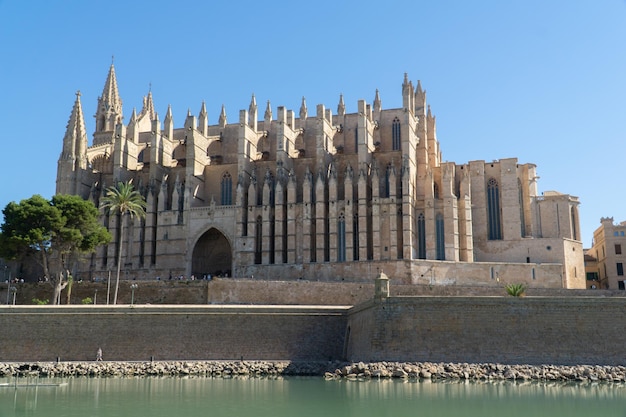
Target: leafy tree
[(55, 232), (124, 200)]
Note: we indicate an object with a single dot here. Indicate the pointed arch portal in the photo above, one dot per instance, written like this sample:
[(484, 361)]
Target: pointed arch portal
[(212, 255)]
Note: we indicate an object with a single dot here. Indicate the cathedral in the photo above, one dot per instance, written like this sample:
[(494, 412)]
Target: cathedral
[(317, 196)]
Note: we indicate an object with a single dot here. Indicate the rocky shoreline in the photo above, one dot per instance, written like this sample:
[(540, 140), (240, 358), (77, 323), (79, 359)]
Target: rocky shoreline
[(330, 370)]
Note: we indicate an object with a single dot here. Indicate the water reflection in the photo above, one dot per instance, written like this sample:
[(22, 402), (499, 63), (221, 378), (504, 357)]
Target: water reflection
[(278, 397)]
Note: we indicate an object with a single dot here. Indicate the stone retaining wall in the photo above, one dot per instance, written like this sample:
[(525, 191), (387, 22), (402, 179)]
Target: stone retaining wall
[(511, 330), (45, 333)]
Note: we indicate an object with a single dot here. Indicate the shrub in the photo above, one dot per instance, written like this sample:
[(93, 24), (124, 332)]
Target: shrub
[(515, 290), (40, 302), (87, 300)]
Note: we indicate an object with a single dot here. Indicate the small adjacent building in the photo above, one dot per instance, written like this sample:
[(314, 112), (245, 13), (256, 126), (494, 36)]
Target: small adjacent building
[(607, 256)]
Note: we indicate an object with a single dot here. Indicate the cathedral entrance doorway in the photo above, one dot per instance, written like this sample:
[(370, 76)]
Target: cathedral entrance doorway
[(212, 255)]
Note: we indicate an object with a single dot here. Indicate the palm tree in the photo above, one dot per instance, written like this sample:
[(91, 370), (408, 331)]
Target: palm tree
[(123, 199)]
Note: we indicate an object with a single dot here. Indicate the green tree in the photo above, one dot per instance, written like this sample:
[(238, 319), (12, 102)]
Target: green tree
[(125, 201), (55, 232)]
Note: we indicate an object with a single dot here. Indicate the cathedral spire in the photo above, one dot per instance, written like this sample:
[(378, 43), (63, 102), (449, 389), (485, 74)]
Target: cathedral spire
[(420, 100), (203, 120), (268, 115), (252, 113), (222, 120), (253, 107), (407, 93), (148, 107), (75, 139), (341, 107), (303, 109), (73, 158), (377, 102), (109, 112), (168, 114)]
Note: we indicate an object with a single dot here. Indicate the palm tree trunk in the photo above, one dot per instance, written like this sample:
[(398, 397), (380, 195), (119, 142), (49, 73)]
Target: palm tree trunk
[(119, 258)]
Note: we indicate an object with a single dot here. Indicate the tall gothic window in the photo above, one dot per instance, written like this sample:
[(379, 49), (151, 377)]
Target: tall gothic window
[(493, 210), (355, 237), (341, 238), (227, 189), (400, 232), (395, 135), (421, 236), (521, 208), (441, 247), (574, 224), (387, 190), (272, 239), (436, 191), (356, 139), (258, 248)]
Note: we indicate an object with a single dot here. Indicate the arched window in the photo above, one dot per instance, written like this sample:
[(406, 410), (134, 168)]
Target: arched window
[(574, 224), (441, 247), (272, 239), (387, 189), (355, 237), (140, 156), (396, 142), (521, 208), (341, 238), (493, 210), (400, 233), (421, 237), (436, 191), (227, 189), (258, 248)]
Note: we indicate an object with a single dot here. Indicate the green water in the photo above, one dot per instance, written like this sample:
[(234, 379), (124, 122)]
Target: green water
[(172, 397)]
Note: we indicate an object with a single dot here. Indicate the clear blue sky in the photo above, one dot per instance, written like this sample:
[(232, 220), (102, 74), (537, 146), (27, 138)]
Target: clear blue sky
[(540, 80)]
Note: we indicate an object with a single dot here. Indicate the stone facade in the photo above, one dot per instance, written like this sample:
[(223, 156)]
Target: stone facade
[(607, 257), (321, 196)]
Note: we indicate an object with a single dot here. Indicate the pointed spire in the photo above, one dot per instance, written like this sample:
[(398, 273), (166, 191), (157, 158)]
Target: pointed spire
[(418, 89), (268, 113), (203, 120), (252, 113), (429, 115), (253, 106), (75, 139), (168, 114), (222, 121), (109, 112), (303, 109), (420, 99), (341, 107), (133, 117), (148, 107), (377, 102), (110, 93)]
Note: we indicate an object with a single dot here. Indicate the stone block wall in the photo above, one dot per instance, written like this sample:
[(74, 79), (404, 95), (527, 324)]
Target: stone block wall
[(139, 333), (528, 330)]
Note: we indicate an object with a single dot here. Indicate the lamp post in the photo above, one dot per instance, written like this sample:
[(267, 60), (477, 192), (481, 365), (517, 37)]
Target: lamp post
[(9, 291), (95, 297), (133, 287)]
